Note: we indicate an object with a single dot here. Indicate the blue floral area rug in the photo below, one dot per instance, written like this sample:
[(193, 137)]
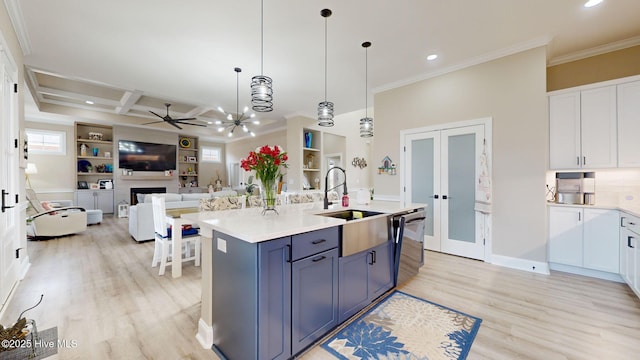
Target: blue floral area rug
[(403, 326)]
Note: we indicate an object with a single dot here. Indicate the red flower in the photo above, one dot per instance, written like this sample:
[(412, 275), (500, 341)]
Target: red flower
[(266, 161)]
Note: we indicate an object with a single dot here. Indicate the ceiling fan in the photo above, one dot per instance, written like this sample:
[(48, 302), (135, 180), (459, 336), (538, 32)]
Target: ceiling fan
[(172, 121)]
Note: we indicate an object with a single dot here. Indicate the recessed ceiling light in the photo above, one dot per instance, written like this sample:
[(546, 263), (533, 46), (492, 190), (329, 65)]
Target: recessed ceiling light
[(89, 102), (592, 3), (432, 57)]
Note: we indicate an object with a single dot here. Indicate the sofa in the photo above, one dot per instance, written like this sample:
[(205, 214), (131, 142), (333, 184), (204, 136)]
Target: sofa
[(141, 214)]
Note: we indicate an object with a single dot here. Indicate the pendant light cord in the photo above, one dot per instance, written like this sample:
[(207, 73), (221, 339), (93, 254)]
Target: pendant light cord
[(262, 37), (237, 95), (366, 81), (325, 59)]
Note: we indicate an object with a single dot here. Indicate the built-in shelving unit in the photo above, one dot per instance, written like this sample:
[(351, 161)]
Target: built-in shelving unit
[(311, 158), (188, 161), (94, 171)]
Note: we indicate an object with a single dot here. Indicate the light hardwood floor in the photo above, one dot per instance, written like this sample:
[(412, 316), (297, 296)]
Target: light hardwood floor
[(101, 292)]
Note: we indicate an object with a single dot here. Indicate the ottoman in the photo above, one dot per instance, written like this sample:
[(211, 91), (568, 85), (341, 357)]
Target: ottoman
[(94, 216)]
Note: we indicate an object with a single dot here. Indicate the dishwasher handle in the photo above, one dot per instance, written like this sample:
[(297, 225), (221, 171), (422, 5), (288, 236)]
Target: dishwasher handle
[(415, 219)]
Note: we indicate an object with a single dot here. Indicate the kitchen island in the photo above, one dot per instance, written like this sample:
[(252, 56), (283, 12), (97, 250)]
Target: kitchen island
[(270, 282)]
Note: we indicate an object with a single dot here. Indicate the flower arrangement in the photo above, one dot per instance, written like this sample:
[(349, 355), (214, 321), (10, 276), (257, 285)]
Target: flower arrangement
[(267, 161)]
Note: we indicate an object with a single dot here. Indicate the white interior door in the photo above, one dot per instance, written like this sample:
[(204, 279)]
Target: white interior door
[(10, 214), (441, 170), (461, 150)]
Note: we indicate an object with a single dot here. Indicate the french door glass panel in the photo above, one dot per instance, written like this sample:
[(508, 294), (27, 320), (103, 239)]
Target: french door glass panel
[(422, 179), (461, 195)]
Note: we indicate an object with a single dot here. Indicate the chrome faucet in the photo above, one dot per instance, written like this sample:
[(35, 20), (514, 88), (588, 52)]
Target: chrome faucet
[(326, 185)]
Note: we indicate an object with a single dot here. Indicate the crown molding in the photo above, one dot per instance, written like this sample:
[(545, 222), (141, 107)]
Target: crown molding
[(598, 50), (528, 45), (17, 20)]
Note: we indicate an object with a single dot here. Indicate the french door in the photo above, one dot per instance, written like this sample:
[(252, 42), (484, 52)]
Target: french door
[(441, 170), (10, 214)]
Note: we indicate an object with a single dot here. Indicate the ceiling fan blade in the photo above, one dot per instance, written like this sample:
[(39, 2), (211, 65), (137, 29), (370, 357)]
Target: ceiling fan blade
[(186, 123), (153, 122), (161, 117), (174, 124), (191, 118)]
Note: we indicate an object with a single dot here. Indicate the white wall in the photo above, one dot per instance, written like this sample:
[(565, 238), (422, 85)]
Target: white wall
[(511, 90)]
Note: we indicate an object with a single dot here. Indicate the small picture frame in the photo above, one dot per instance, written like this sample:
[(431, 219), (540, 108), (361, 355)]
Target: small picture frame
[(191, 159), (105, 184), (94, 186), (82, 185)]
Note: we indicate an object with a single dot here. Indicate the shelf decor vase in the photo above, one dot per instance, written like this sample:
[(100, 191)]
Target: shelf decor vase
[(268, 192)]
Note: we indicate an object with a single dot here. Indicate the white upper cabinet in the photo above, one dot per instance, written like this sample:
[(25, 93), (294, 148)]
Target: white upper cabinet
[(564, 131), (583, 130), (599, 130), (629, 124)]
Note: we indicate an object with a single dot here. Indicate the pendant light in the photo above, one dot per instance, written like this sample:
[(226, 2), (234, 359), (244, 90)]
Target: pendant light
[(261, 86), (366, 123), (325, 108), (237, 120)]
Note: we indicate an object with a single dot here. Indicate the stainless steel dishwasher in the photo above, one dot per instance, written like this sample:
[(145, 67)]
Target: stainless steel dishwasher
[(408, 232)]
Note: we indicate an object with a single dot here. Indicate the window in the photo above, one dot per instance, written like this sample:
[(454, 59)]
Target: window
[(211, 154), (46, 142)]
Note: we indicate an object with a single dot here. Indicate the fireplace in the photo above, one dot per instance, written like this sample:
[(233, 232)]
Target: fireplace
[(145, 190)]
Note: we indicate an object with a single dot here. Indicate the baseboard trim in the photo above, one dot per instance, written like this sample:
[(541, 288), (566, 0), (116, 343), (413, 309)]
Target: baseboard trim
[(520, 264), (205, 334), (587, 272)]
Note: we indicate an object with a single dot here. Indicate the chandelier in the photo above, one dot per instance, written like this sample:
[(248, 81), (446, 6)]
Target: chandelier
[(237, 120)]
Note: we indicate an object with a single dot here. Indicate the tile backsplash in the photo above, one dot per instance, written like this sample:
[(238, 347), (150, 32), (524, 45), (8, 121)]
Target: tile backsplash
[(614, 187)]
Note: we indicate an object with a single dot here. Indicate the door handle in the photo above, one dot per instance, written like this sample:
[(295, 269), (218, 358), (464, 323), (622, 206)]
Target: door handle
[(4, 201), (288, 253), (584, 160), (319, 241), (444, 197), (436, 196), (629, 242), (319, 258), (372, 258)]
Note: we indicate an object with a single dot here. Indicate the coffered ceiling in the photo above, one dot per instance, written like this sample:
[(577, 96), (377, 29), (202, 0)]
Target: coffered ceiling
[(130, 57)]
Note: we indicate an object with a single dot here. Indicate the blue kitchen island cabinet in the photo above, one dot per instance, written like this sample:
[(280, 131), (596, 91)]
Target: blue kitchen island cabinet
[(287, 286), (363, 277)]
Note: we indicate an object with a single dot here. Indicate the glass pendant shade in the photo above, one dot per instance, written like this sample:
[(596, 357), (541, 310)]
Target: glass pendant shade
[(366, 127), (325, 113), (261, 93)]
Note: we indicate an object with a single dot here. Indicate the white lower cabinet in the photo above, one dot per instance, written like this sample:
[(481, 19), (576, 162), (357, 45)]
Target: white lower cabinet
[(584, 238), (95, 199), (630, 251)]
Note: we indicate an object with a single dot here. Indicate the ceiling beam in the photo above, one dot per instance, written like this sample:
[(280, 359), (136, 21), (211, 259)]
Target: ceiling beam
[(127, 101), (77, 96)]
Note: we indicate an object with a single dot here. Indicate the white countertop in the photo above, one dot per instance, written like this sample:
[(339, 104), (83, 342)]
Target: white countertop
[(632, 208), (250, 225)]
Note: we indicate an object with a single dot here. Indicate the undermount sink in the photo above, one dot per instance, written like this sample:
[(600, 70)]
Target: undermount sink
[(350, 214), (358, 236)]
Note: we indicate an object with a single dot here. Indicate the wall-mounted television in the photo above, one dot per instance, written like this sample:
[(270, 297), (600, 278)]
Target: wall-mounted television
[(144, 156)]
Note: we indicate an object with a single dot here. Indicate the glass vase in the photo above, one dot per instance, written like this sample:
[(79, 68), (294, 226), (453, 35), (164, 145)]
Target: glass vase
[(268, 192)]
